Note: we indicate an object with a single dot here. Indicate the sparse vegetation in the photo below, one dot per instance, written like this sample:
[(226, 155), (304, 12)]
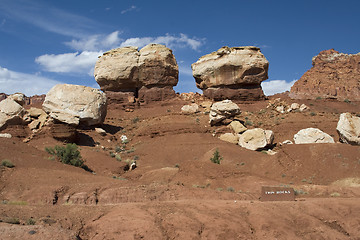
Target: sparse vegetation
[(248, 123), (30, 221), (299, 192), (68, 154), (135, 120), (177, 165), (216, 157), (112, 154), (335, 194), (230, 189), (312, 114), (347, 100), (7, 163), (118, 157), (12, 220)]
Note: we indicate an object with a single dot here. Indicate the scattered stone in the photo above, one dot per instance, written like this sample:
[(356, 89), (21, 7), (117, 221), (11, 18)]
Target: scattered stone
[(223, 110), (189, 109), (256, 139), (75, 104), (237, 127), (229, 137), (5, 135), (286, 142), (280, 109), (312, 135), (348, 128), (303, 108), (232, 73), (100, 131)]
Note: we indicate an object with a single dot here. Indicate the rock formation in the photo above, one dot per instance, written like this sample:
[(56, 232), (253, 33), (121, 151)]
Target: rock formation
[(348, 128), (232, 73), (312, 135), (220, 111), (148, 74), (333, 75), (74, 104), (11, 113)]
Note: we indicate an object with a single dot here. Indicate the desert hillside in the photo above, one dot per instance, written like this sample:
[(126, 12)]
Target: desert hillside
[(175, 191)]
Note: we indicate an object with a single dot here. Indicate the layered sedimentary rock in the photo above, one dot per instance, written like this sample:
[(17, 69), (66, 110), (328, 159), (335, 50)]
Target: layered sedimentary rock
[(333, 75), (232, 73), (148, 74), (75, 104)]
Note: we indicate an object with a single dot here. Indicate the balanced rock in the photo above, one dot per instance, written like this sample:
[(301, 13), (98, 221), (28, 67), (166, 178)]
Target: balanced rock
[(333, 75), (232, 73), (312, 135), (11, 113), (74, 104), (256, 139), (148, 74), (220, 111), (348, 128)]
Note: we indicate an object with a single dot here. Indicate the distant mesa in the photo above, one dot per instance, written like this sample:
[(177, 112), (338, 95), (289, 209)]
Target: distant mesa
[(127, 73), (232, 73), (333, 75)]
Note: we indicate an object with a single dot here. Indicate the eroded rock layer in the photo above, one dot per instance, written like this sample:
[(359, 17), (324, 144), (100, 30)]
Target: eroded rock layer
[(333, 75)]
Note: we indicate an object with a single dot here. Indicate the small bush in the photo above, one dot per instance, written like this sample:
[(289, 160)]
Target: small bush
[(347, 100), (312, 114), (112, 154), (248, 123), (30, 221), (118, 149), (230, 189), (118, 158), (216, 157), (7, 163), (12, 220), (68, 155)]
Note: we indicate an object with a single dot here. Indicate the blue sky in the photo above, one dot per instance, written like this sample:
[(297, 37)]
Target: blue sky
[(43, 43)]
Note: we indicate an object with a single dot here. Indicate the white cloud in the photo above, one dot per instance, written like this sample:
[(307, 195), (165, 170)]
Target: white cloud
[(132, 8), (69, 62), (170, 41), (96, 42), (29, 84), (271, 87)]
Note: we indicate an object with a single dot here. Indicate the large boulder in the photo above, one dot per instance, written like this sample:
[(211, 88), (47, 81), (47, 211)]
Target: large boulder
[(256, 139), (348, 128), (333, 75), (148, 74), (232, 73), (11, 112), (312, 135), (74, 104), (220, 111)]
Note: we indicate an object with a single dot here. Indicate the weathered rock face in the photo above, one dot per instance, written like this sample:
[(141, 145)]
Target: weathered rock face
[(136, 72), (348, 128), (256, 139), (232, 73), (74, 104), (312, 135), (220, 111), (333, 75)]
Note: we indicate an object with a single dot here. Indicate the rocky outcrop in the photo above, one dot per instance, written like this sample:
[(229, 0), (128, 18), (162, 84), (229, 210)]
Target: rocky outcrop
[(256, 139), (333, 75), (74, 104), (220, 111), (348, 128), (148, 74), (312, 135), (11, 113), (232, 73)]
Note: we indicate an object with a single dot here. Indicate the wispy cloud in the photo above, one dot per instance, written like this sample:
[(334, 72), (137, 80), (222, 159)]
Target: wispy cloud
[(132, 8), (82, 63), (29, 84), (271, 87), (171, 41), (3, 22), (48, 18), (96, 42)]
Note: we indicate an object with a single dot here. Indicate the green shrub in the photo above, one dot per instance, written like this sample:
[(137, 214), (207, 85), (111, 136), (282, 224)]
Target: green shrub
[(312, 114), (118, 158), (7, 163), (216, 157), (30, 221), (230, 189), (68, 154)]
